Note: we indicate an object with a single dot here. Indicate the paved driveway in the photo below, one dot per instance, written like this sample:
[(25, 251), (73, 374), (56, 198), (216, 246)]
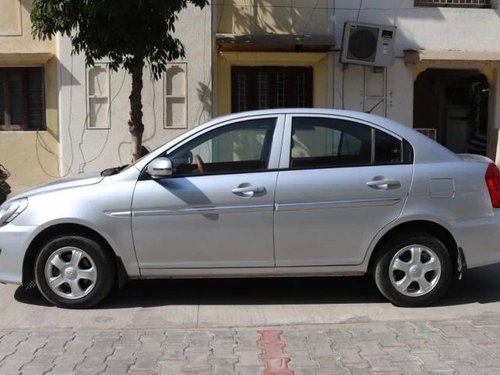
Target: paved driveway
[(285, 326)]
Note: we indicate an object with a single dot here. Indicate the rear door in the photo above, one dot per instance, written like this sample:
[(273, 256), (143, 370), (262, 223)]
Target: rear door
[(340, 183)]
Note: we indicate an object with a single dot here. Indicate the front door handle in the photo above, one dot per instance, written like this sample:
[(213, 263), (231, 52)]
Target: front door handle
[(382, 183), (248, 190)]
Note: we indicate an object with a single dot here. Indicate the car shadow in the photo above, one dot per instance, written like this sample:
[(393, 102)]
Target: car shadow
[(480, 285)]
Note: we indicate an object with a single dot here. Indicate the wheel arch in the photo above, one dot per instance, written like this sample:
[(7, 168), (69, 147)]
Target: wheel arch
[(62, 229), (424, 226)]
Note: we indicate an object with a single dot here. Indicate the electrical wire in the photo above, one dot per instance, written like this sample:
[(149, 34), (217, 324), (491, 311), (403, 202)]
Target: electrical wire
[(208, 83), (359, 10), (40, 142), (313, 10), (83, 165), (153, 105), (223, 5)]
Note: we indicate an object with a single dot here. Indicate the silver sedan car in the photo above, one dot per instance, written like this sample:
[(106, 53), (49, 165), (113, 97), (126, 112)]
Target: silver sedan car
[(293, 192)]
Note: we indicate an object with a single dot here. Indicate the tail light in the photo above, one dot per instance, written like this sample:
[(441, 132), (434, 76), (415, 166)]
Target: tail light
[(492, 178)]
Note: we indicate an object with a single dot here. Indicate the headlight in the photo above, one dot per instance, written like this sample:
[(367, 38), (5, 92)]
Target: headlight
[(11, 210)]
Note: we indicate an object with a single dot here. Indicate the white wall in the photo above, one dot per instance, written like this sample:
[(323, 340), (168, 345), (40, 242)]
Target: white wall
[(432, 28), (429, 28), (83, 149)]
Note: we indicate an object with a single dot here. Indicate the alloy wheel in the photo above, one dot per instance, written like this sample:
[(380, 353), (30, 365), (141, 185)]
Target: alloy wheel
[(70, 272), (415, 270)]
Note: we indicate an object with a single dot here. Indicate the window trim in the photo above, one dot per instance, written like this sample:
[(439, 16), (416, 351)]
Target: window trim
[(23, 70), (274, 157), (107, 97), (219, 166), (173, 97), (287, 144), (253, 71)]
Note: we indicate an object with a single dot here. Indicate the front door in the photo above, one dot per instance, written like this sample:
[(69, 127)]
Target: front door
[(342, 183), (217, 209)]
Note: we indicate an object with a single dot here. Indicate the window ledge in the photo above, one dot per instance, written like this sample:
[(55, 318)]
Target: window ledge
[(16, 59)]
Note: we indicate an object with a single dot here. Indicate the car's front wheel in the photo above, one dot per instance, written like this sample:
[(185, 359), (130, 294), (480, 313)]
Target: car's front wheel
[(413, 270), (73, 271)]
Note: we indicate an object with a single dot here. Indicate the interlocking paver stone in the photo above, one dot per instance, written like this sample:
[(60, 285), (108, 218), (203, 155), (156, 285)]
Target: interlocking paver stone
[(405, 347)]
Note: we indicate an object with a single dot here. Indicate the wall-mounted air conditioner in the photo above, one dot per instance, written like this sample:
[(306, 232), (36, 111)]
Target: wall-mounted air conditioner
[(367, 44)]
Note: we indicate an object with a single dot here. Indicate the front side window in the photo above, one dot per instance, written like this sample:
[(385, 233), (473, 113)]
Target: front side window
[(240, 147), (326, 142), (22, 104)]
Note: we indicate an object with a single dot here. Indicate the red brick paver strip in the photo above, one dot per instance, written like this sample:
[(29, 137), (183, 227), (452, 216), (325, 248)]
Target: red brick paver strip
[(273, 353)]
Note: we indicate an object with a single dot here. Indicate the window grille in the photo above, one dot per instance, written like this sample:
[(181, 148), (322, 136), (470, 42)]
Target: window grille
[(260, 87), (262, 90), (22, 99), (281, 90)]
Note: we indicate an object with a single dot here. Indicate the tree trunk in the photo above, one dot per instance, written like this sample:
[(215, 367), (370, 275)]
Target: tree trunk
[(135, 125)]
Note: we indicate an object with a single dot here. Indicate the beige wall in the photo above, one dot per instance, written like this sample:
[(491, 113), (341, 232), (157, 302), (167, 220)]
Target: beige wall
[(31, 157), (15, 29), (281, 17), (272, 16)]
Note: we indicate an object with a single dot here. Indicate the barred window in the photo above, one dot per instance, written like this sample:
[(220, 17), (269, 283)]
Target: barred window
[(454, 3), (22, 102), (262, 90), (263, 87)]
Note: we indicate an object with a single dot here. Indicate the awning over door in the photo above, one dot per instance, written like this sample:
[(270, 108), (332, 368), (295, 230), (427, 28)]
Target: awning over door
[(450, 59)]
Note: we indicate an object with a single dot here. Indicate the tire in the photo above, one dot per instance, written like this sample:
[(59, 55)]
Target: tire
[(3, 196), (81, 269), (408, 279)]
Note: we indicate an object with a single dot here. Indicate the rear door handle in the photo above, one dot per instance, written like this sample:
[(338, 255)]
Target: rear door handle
[(248, 190), (382, 183)]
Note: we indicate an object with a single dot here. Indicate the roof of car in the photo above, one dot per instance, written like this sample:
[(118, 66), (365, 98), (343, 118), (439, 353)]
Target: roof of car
[(425, 150)]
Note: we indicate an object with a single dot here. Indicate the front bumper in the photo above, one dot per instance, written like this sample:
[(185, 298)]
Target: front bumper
[(14, 241)]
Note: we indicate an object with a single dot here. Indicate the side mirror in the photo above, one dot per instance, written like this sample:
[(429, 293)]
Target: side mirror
[(160, 168)]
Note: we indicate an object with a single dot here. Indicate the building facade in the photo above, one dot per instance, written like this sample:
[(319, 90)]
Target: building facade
[(29, 128), (250, 54), (442, 80), (94, 101)]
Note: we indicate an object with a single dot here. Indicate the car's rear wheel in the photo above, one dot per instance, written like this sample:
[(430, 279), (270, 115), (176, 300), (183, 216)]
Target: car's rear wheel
[(74, 272), (413, 270)]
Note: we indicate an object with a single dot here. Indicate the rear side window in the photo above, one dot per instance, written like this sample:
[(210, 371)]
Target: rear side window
[(325, 142), (388, 149)]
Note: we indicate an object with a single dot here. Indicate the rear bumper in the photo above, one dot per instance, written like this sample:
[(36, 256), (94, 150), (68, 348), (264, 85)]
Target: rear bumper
[(479, 239), (14, 241)]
